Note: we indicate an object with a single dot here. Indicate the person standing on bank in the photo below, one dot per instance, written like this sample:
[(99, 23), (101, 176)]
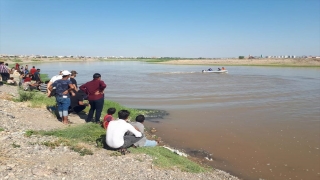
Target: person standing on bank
[(74, 81), (94, 89), (63, 88), (4, 72), (37, 76), (33, 70)]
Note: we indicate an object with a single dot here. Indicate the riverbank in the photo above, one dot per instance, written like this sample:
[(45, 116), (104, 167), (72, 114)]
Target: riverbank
[(309, 62), (282, 62), (25, 157)]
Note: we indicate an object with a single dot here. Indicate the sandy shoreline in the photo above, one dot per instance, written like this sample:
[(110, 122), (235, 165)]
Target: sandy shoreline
[(297, 62)]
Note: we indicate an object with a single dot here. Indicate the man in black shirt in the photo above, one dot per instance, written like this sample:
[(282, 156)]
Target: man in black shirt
[(36, 76), (74, 81), (77, 104)]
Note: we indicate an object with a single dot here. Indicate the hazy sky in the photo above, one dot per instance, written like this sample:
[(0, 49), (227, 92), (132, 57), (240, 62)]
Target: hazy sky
[(179, 28)]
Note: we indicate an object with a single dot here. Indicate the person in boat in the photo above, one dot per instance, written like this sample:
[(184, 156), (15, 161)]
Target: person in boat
[(209, 69), (219, 69), (223, 68)]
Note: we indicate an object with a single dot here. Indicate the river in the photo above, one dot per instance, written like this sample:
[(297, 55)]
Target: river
[(256, 122)]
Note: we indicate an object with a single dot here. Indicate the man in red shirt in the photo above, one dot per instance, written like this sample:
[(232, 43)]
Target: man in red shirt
[(94, 89), (33, 70)]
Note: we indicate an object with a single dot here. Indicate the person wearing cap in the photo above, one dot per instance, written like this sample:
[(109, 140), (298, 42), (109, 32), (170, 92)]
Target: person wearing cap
[(63, 88), (94, 89), (74, 81)]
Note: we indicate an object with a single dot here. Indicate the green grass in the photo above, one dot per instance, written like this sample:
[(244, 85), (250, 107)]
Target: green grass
[(73, 137), (157, 60), (44, 77), (35, 98), (14, 145), (1, 129), (16, 60), (90, 133), (166, 159), (78, 137), (133, 112)]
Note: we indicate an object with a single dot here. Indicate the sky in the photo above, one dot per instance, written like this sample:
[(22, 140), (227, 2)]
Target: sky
[(160, 28)]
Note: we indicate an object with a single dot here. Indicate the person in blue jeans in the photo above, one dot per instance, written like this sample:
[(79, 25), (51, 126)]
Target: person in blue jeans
[(63, 89), (143, 142), (95, 91)]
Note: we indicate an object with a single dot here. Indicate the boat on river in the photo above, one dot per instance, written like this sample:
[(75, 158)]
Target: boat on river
[(221, 71)]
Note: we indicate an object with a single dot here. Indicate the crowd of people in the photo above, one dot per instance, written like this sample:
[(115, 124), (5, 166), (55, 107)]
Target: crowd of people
[(120, 133), (22, 76)]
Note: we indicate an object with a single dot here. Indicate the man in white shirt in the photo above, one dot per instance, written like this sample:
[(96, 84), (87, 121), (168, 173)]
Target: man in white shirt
[(115, 136), (52, 80)]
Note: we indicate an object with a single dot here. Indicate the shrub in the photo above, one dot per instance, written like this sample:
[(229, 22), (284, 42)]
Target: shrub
[(26, 96)]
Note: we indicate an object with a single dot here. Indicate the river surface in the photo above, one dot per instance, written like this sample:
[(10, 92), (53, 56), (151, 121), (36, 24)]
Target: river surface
[(256, 122)]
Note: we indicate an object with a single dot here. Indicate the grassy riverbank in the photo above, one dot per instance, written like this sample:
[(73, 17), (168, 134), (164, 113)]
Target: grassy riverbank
[(83, 138)]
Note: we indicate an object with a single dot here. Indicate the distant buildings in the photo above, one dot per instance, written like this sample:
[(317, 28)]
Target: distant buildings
[(150, 57)]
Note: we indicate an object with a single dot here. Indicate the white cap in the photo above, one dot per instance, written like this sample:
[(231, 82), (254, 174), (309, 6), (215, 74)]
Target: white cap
[(65, 73)]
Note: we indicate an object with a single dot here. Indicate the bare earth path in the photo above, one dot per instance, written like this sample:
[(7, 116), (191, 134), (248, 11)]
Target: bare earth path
[(24, 157)]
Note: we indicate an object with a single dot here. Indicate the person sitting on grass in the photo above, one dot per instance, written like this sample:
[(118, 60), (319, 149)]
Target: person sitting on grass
[(143, 142), (107, 118), (115, 136), (43, 86), (11, 81), (77, 105)]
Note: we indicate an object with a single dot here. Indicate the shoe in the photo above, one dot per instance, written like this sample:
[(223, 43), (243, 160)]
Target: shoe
[(123, 151)]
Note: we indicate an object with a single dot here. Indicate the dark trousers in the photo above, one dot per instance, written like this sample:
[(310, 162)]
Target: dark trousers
[(129, 140), (77, 109), (5, 76), (95, 105)]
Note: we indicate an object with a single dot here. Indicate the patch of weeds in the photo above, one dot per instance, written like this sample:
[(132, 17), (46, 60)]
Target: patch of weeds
[(59, 142), (72, 145), (50, 144), (26, 96), (166, 159), (87, 133), (32, 143), (29, 133), (1, 129), (16, 60), (138, 159), (81, 150), (115, 153), (14, 145)]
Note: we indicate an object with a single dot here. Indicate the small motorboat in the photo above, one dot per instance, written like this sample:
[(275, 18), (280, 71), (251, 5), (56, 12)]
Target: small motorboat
[(221, 71)]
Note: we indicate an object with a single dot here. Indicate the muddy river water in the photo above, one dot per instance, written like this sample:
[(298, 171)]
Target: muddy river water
[(254, 122)]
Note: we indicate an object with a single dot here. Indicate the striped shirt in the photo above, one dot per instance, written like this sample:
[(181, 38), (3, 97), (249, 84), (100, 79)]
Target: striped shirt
[(3, 69)]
